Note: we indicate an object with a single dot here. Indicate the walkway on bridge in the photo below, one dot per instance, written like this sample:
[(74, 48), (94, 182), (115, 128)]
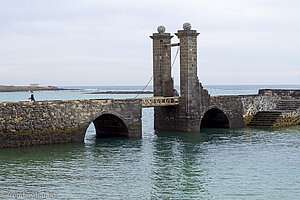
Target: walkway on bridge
[(160, 101), (157, 101)]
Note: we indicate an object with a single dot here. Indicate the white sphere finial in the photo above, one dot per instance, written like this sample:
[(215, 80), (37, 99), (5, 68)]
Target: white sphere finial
[(161, 29), (187, 26)]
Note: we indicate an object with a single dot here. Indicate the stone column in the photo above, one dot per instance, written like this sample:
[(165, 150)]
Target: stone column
[(162, 80), (164, 117), (189, 109)]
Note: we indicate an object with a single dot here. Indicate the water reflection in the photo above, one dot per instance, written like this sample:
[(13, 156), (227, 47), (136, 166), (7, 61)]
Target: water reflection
[(234, 163), (177, 170)]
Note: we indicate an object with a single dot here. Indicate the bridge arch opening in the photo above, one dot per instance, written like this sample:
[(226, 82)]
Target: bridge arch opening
[(215, 118), (109, 125)]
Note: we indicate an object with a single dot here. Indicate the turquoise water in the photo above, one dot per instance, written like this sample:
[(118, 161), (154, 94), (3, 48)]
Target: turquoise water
[(213, 164)]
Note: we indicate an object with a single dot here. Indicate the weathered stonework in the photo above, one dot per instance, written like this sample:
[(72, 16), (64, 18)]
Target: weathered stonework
[(289, 94), (162, 80), (50, 122), (190, 103), (197, 108), (231, 106), (163, 86), (288, 119), (240, 109)]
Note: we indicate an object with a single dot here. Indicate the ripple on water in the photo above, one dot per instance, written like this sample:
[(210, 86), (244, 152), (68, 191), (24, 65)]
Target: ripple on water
[(213, 164)]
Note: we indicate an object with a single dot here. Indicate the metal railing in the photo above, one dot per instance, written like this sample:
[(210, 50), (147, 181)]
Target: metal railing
[(159, 101)]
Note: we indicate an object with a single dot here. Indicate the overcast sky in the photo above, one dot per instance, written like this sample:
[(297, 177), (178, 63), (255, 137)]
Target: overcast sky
[(97, 42)]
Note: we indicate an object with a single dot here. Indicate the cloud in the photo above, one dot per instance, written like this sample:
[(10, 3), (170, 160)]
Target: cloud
[(92, 40)]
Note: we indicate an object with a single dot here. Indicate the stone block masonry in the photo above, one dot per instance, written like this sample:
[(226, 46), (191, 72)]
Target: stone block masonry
[(189, 108), (163, 86), (51, 122), (197, 109), (241, 109)]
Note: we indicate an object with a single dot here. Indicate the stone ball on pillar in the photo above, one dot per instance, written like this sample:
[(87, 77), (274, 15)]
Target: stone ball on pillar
[(187, 26), (161, 29)]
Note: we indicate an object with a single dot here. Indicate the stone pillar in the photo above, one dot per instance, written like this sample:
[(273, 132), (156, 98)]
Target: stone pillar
[(162, 80), (164, 117), (189, 108)]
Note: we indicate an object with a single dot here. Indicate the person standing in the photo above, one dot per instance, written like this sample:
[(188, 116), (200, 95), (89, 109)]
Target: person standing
[(31, 96)]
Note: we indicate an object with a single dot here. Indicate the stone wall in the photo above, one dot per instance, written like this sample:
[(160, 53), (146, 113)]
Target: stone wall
[(232, 107), (254, 103), (166, 118), (288, 119), (244, 107), (292, 94), (49, 122)]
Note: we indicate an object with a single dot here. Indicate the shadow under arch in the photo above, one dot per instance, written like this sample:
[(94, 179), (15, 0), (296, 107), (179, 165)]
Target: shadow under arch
[(214, 118), (110, 125)]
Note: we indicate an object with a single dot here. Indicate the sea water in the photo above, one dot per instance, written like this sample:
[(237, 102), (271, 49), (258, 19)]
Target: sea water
[(214, 164)]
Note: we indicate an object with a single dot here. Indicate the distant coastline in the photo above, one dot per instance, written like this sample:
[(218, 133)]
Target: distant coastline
[(122, 92), (4, 88)]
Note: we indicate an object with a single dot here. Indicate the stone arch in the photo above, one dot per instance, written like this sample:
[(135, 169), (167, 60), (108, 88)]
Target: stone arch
[(215, 117), (110, 125)]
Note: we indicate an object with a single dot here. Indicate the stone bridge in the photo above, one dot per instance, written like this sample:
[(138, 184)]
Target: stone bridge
[(49, 122)]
